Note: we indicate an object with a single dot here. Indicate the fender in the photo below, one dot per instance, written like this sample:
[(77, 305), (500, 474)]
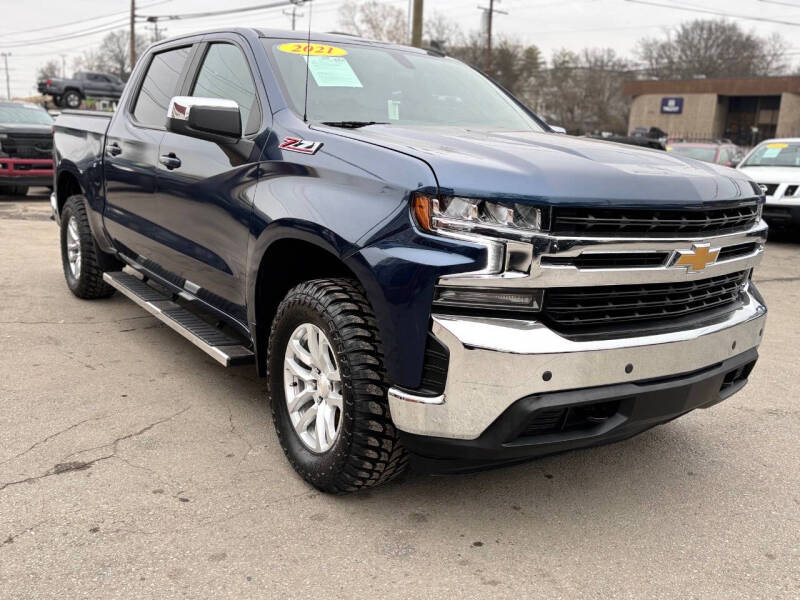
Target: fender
[(94, 201)]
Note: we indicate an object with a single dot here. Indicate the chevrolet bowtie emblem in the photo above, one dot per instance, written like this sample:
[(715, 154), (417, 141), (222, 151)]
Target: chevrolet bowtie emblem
[(698, 258)]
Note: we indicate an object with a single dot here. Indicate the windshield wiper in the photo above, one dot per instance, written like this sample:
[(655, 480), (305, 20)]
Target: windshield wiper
[(352, 124)]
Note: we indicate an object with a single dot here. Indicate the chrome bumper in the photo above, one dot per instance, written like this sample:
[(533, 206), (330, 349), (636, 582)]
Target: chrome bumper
[(495, 362)]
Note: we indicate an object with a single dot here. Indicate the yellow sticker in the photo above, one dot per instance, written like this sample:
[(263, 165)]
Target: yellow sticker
[(669, 148), (315, 49), (777, 145)]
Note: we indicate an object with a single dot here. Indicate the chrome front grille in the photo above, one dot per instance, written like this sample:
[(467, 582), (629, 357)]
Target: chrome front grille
[(587, 309), (621, 222)]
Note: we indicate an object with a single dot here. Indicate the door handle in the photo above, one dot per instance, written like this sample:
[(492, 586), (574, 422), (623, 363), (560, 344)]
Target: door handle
[(113, 149), (170, 161)]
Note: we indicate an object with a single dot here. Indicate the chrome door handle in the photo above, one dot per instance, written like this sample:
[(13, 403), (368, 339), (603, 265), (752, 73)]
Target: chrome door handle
[(170, 161), (113, 149)]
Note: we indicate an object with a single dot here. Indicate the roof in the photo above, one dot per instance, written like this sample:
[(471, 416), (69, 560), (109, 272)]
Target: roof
[(288, 34), (745, 86)]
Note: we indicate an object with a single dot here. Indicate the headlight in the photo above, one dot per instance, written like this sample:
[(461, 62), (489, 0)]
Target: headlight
[(471, 215)]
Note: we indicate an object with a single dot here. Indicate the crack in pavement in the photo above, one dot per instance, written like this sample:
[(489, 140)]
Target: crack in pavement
[(11, 538), (51, 436), (67, 467)]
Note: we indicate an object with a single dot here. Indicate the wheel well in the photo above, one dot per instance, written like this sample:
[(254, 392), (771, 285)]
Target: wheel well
[(72, 89), (286, 264), (67, 186)]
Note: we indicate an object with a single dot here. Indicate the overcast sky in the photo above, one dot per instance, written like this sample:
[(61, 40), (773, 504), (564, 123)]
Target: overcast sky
[(550, 24)]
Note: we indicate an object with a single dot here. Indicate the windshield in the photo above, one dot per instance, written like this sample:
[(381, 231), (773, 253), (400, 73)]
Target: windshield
[(354, 83), (24, 115), (696, 152), (775, 154)]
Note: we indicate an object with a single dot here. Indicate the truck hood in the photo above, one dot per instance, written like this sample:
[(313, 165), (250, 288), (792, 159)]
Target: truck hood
[(556, 169), (773, 174)]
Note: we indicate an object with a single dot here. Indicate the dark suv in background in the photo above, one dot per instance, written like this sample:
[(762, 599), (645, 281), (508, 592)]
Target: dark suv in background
[(26, 147)]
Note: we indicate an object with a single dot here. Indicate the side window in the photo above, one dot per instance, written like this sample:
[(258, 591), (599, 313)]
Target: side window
[(159, 86), (225, 75), (724, 156)]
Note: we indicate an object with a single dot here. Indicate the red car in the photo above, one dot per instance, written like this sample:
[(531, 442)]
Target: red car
[(26, 147), (720, 153)]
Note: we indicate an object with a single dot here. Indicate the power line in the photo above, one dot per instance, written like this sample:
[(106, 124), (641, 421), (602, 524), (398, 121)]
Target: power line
[(215, 13), (716, 13), (67, 36)]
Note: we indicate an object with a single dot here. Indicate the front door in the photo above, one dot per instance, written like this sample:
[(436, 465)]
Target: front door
[(205, 189)]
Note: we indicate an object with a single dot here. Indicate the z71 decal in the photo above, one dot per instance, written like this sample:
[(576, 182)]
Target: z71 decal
[(302, 146)]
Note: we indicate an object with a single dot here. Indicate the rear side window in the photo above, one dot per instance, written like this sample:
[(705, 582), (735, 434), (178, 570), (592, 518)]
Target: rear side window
[(159, 86), (225, 75)]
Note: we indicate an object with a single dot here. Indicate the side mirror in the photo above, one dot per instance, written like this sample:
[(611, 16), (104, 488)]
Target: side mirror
[(557, 129), (210, 119)]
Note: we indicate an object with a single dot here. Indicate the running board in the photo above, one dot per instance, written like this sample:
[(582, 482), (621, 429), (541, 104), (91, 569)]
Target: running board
[(221, 347)]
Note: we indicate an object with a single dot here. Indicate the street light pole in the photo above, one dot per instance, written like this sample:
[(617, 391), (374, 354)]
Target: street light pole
[(416, 25), (5, 56), (133, 34)]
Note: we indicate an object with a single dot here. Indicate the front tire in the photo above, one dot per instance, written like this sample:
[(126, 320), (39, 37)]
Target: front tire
[(328, 388), (83, 262)]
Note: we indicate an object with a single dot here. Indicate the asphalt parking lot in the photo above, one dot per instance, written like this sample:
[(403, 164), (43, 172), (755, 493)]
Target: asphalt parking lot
[(132, 465)]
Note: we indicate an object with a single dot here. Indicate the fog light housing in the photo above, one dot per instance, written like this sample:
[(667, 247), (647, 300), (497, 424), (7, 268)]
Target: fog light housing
[(489, 298)]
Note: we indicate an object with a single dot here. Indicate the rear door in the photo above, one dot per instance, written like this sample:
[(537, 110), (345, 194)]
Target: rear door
[(131, 156), (206, 202)]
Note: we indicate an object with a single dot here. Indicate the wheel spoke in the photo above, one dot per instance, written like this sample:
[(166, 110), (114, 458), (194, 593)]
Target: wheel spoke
[(335, 400), (330, 421), (301, 352), (300, 399), (323, 442), (305, 420), (297, 370)]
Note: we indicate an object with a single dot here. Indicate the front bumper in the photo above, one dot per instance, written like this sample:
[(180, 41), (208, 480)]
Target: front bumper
[(495, 363), (26, 171), (559, 421)]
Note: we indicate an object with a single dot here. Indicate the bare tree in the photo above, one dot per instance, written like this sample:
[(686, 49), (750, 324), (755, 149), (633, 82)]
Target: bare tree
[(49, 69), (583, 91), (112, 54), (712, 48), (375, 21)]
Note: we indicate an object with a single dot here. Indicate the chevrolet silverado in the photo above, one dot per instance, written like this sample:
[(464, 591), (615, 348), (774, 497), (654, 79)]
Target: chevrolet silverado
[(423, 270)]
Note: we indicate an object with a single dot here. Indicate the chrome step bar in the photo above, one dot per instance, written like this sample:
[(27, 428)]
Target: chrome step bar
[(223, 348)]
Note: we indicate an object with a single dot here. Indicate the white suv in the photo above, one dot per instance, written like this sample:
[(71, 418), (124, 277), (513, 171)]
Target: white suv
[(775, 165)]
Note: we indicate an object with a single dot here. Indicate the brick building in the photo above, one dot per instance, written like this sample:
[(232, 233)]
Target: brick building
[(746, 110)]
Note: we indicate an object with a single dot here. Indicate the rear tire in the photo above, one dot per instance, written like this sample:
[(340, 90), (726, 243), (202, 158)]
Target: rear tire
[(83, 262), (57, 100), (361, 448), (71, 99)]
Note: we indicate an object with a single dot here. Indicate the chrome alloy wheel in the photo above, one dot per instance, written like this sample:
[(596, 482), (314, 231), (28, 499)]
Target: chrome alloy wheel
[(313, 388), (74, 248)]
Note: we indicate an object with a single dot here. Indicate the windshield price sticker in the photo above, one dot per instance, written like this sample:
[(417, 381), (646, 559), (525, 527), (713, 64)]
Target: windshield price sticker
[(311, 50), (777, 145)]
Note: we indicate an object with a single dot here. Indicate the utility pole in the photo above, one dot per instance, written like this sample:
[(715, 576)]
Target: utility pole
[(5, 56), (133, 34), (416, 25), (64, 66), (488, 16), (293, 13)]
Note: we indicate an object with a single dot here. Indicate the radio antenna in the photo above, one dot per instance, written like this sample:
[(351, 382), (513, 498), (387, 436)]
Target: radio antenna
[(308, 63)]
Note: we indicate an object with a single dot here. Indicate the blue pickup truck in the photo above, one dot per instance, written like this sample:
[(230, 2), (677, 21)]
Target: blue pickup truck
[(423, 270)]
